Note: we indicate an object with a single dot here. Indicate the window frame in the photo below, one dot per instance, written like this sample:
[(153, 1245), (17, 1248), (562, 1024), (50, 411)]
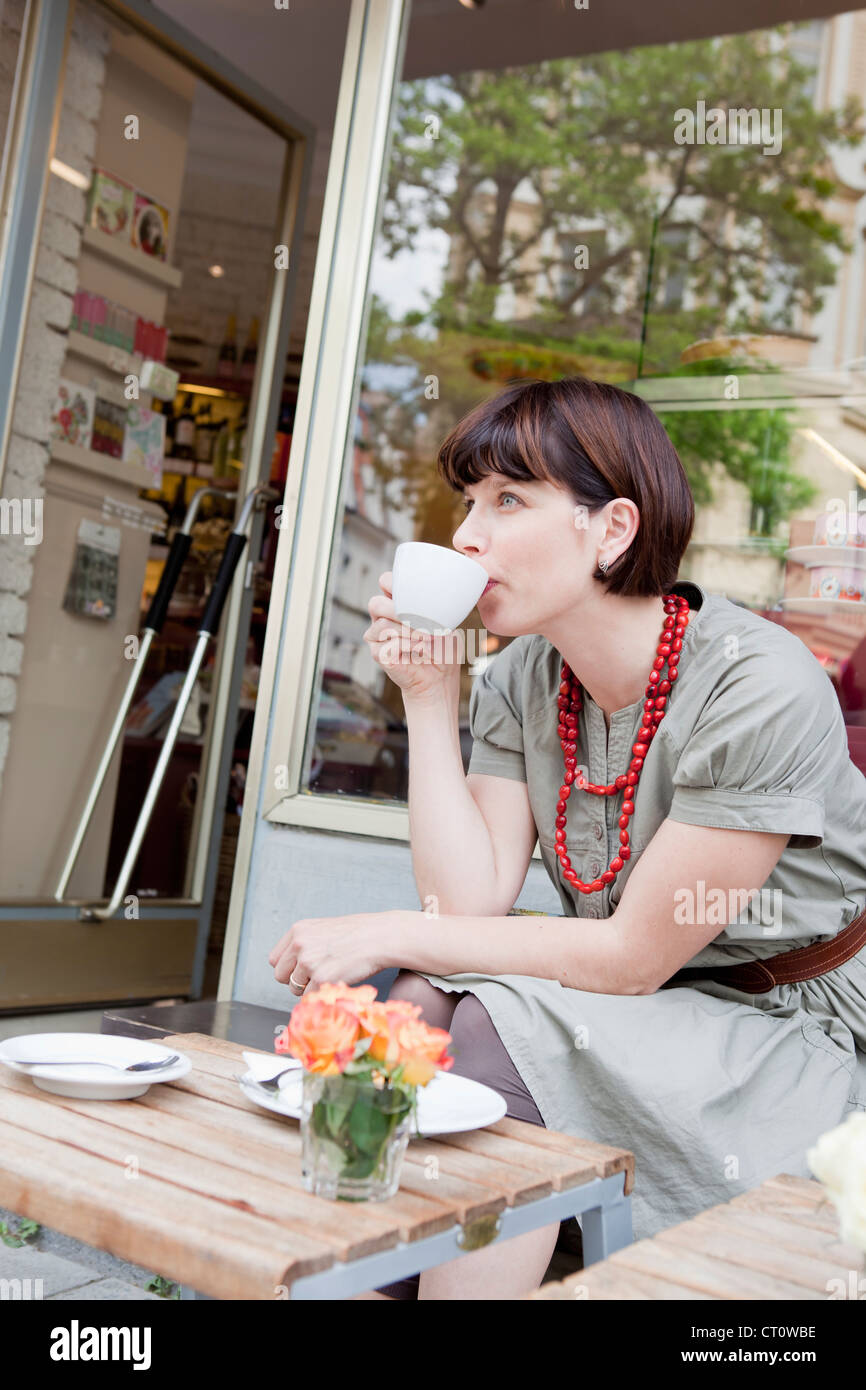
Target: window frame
[(324, 431)]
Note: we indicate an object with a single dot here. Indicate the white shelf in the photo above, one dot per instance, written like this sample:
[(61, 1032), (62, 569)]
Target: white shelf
[(103, 465), (825, 606), (147, 267), (188, 467), (205, 471), (105, 354), (812, 555)]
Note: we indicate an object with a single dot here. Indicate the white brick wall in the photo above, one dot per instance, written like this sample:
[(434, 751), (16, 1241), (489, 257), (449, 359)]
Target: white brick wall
[(50, 310), (16, 565), (11, 652), (8, 688)]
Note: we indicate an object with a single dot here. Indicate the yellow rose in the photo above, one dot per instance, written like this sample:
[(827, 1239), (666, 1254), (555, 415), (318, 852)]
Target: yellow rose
[(422, 1050)]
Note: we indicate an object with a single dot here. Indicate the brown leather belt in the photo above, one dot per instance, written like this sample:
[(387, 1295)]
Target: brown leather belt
[(804, 963)]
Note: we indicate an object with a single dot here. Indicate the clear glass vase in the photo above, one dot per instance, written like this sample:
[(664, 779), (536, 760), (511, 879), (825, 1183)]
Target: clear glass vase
[(354, 1136)]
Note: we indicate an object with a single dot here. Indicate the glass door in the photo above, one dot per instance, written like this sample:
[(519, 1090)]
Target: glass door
[(154, 372)]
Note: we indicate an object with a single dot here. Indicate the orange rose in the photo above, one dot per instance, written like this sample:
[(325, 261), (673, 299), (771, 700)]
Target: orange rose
[(380, 1022), (322, 1036), (422, 1050), (350, 996)]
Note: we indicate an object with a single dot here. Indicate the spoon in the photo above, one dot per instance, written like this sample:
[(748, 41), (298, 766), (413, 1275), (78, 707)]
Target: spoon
[(91, 1062)]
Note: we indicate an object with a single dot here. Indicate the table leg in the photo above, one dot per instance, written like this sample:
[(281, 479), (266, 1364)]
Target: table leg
[(606, 1229)]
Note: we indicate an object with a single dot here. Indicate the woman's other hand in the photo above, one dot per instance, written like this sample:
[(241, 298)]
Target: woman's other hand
[(318, 950)]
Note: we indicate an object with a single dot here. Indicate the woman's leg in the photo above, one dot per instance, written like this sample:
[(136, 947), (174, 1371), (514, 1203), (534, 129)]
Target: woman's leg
[(481, 1055), (514, 1267), (437, 1008)]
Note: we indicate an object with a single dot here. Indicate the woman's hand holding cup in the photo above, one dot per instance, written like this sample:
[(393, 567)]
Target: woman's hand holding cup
[(420, 663)]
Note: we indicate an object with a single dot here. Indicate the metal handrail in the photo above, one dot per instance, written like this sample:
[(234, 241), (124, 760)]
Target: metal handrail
[(156, 615), (209, 624)]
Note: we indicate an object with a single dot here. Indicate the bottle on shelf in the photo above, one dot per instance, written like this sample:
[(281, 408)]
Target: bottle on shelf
[(184, 432), (170, 425), (251, 352), (220, 455), (204, 435), (227, 363)]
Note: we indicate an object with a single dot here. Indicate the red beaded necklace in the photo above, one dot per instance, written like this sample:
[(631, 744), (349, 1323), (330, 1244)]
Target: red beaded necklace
[(570, 702)]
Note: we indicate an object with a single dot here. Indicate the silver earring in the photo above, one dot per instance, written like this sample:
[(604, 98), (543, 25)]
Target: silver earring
[(603, 564)]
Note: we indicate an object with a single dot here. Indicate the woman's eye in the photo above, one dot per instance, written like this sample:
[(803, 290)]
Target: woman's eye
[(467, 501)]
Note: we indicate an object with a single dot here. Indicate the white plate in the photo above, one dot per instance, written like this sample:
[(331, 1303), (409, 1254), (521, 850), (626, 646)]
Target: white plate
[(446, 1105), (89, 1082)]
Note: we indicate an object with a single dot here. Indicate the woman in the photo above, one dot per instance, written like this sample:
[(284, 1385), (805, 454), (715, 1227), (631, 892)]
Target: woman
[(723, 822)]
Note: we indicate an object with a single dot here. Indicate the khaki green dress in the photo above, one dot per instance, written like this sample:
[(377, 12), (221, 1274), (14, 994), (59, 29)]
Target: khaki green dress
[(713, 1089)]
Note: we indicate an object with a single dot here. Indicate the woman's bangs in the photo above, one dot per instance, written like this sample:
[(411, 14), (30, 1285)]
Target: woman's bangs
[(496, 445)]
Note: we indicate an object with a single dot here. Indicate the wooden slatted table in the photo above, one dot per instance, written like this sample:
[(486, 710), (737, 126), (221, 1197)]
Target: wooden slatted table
[(197, 1183), (778, 1241)]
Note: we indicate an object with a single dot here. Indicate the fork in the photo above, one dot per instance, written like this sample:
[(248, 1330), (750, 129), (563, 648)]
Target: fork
[(91, 1062), (272, 1083)]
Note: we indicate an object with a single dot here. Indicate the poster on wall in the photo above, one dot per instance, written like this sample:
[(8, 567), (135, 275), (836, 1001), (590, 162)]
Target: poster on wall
[(144, 440), (150, 227), (110, 204), (72, 416)]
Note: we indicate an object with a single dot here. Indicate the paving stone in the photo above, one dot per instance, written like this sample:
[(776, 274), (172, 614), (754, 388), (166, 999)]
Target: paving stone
[(57, 1275), (107, 1290)]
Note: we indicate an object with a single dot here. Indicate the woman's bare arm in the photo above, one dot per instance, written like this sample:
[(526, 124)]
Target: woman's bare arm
[(635, 950), (471, 837)]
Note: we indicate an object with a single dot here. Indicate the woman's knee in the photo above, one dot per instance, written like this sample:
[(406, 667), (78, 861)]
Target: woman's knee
[(437, 1006)]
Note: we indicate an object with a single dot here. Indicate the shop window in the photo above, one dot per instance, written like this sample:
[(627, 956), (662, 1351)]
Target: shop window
[(741, 337)]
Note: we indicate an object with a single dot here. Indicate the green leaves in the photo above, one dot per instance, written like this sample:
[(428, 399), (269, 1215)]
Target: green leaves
[(25, 1229), (368, 1128), (592, 138), (353, 1120)]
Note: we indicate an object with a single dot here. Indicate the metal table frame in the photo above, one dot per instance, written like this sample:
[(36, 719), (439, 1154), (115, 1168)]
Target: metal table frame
[(606, 1224)]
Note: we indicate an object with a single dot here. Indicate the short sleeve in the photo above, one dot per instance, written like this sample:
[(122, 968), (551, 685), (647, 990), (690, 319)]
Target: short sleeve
[(495, 718), (764, 751)]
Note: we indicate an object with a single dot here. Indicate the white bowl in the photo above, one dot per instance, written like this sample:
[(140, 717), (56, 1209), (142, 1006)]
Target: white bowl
[(91, 1082)]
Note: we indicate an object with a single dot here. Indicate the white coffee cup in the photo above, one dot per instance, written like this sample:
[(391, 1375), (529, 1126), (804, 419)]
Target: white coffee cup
[(435, 588)]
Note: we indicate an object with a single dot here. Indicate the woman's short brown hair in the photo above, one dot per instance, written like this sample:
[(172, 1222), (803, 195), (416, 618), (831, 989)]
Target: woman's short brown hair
[(599, 442)]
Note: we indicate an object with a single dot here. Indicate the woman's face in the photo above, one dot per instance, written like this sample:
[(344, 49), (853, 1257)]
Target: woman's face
[(539, 548)]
